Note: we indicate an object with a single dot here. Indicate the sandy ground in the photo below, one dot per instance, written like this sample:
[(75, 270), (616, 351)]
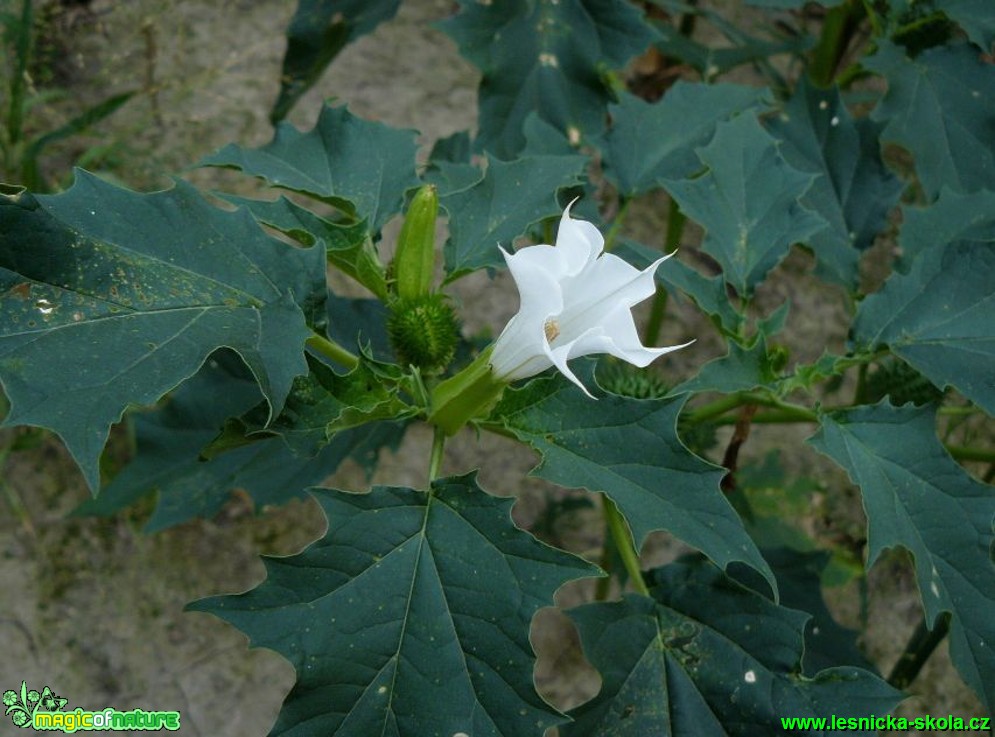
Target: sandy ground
[(93, 608)]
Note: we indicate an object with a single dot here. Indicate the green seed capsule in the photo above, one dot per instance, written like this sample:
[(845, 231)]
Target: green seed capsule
[(414, 264), (423, 331)]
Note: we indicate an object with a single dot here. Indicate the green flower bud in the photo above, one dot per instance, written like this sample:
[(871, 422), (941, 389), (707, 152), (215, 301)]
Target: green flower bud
[(423, 331), (777, 358), (414, 263)]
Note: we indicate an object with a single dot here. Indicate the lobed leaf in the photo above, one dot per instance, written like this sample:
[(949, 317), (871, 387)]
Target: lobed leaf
[(917, 497), (501, 206), (853, 191), (550, 57), (976, 17), (320, 405), (941, 107), (629, 450), (741, 369), (711, 61), (410, 617), (938, 318), (112, 298), (827, 643), (359, 166), (707, 656), (953, 217), (747, 201), (169, 442), (348, 246), (319, 30), (651, 142)]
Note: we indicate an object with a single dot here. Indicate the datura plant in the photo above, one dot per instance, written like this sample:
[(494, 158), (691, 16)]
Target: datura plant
[(411, 615)]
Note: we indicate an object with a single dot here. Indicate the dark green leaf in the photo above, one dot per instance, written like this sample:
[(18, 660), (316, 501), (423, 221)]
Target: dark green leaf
[(740, 369), (852, 191), (827, 644), (629, 449), (348, 246), (449, 167), (548, 57), (711, 62), (501, 206), (917, 497), (939, 318), (953, 217), (320, 405), (113, 298), (748, 201), (361, 167), (319, 30), (650, 142), (976, 17), (410, 617), (708, 292), (707, 656), (542, 138), (170, 440), (941, 107), (362, 322)]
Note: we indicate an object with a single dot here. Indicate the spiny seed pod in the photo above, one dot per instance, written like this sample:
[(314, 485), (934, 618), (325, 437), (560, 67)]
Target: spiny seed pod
[(628, 381), (414, 263), (423, 331)]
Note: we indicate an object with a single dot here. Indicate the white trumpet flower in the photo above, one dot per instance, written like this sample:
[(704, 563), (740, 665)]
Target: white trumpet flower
[(575, 300)]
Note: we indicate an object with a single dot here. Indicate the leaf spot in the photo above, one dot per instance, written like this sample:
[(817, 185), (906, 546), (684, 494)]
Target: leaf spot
[(750, 677)]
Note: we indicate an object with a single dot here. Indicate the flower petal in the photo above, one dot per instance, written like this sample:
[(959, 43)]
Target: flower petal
[(624, 341), (597, 292), (575, 301), (579, 242)]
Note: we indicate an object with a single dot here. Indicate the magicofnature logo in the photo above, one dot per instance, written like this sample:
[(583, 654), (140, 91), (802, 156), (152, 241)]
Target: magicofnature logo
[(21, 707), (43, 711)]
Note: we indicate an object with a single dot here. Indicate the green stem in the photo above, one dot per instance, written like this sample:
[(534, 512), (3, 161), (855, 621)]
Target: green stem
[(622, 538), (15, 116), (603, 584), (789, 412), (851, 74), (873, 17), (330, 349), (617, 223), (651, 335), (438, 448), (716, 409), (861, 388), (774, 417), (962, 453), (675, 229), (837, 30), (917, 651), (688, 21)]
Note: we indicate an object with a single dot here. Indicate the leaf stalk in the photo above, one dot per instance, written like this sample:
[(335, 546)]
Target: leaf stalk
[(330, 349), (622, 538)]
